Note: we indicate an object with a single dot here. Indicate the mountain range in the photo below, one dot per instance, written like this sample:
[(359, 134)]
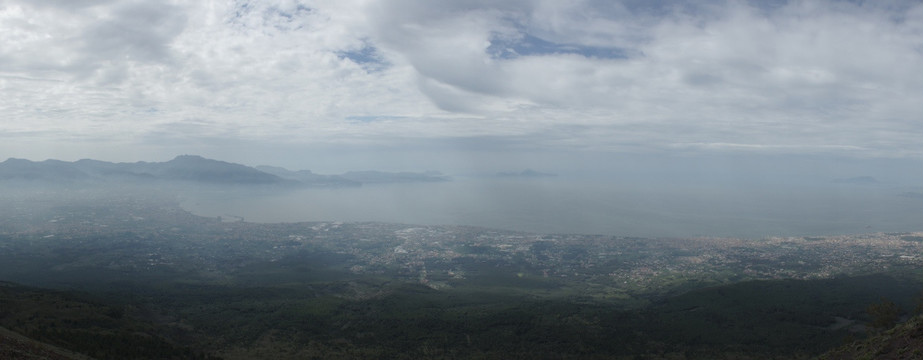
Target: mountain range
[(191, 169)]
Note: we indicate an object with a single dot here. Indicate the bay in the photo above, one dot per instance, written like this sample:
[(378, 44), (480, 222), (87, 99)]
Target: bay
[(584, 207)]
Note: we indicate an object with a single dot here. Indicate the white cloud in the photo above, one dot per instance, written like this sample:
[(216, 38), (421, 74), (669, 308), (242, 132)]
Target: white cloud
[(802, 76)]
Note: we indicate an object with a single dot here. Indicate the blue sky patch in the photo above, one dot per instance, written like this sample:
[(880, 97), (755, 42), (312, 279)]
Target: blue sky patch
[(530, 45), (367, 57)]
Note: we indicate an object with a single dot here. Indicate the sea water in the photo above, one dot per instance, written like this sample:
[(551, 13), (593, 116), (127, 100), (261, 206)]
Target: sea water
[(585, 207)]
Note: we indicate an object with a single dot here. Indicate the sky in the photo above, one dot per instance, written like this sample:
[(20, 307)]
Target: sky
[(465, 85)]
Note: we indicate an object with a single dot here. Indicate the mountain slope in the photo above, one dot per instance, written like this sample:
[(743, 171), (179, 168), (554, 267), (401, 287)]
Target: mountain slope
[(197, 168), (16, 346), (904, 341), (84, 324)]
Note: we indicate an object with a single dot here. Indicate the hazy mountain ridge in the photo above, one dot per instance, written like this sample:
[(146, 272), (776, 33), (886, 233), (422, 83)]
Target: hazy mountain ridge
[(308, 177), (182, 168), (197, 168), (53, 170), (194, 169)]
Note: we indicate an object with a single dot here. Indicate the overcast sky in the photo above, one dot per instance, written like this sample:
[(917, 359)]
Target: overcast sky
[(413, 84)]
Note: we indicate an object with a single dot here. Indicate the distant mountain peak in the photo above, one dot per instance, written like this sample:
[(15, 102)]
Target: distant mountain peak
[(17, 161), (194, 159)]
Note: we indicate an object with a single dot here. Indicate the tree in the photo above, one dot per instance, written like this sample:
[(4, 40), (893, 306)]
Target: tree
[(884, 314), (919, 302)]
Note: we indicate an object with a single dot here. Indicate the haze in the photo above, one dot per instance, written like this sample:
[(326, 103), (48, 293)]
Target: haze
[(679, 97)]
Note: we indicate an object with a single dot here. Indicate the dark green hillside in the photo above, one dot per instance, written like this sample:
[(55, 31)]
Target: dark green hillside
[(88, 325), (339, 315), (781, 319), (775, 317), (903, 342), (16, 346)]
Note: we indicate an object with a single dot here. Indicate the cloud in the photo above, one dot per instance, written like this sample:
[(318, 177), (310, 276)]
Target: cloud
[(60, 39), (719, 76), (140, 32)]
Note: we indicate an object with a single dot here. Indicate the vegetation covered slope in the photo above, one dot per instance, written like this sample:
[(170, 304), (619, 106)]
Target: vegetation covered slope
[(16, 346), (903, 342), (93, 327)]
